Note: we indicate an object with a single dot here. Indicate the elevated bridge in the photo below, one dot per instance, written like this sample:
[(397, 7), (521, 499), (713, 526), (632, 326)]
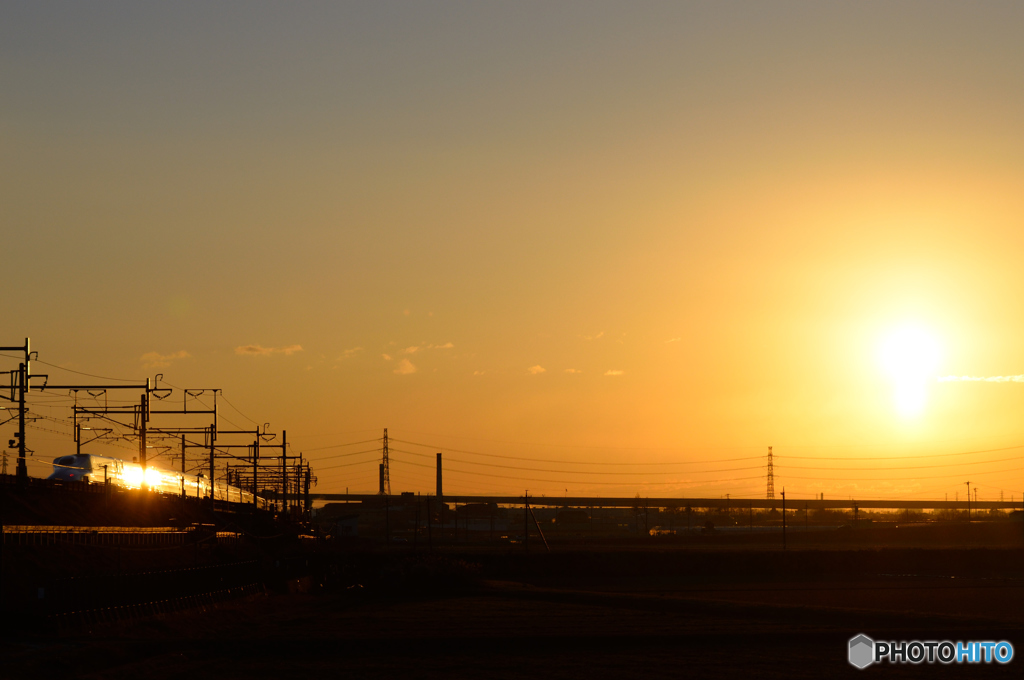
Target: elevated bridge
[(723, 503)]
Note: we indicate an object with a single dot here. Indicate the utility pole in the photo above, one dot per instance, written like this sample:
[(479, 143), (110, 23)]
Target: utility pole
[(771, 474), (968, 501)]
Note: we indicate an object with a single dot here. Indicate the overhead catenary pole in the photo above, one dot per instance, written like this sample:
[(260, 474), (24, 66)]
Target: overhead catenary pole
[(182, 466), (284, 471), (23, 378), (213, 482), (143, 417), (255, 461), (21, 381), (308, 477)]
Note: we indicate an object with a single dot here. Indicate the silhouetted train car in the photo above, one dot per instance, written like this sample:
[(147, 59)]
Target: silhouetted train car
[(88, 467)]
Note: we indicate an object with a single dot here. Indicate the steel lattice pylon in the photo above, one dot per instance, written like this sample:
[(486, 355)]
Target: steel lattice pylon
[(771, 473), (385, 474)]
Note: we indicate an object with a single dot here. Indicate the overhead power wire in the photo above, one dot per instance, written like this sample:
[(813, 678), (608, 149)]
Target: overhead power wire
[(346, 455), (338, 446), (883, 469), (560, 481), (894, 479), (236, 409), (580, 472), (341, 465), (571, 462), (71, 370), (578, 446), (926, 455)]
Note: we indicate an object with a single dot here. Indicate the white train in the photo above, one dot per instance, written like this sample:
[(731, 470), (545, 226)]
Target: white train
[(87, 467)]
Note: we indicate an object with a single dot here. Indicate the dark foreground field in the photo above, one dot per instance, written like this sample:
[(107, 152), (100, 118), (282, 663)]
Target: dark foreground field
[(613, 614)]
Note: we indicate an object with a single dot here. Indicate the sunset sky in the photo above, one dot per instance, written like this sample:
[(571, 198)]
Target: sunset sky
[(625, 246)]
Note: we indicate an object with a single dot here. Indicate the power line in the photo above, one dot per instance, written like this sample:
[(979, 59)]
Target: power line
[(236, 409), (71, 370), (913, 467), (578, 472), (575, 446), (896, 479), (562, 481), (338, 446), (571, 462), (352, 453), (332, 467), (927, 455)]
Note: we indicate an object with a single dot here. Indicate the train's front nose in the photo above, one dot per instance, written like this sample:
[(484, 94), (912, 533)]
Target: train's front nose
[(67, 468)]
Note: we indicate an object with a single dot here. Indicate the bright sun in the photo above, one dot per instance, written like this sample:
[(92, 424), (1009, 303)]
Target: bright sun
[(910, 355)]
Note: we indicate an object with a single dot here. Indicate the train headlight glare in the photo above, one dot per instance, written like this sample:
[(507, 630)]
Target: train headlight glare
[(133, 476)]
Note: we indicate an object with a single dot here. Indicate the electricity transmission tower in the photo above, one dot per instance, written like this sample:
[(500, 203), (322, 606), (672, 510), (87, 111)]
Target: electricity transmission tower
[(771, 475), (385, 473)]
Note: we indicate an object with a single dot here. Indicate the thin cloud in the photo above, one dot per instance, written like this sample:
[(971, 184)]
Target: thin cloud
[(573, 370), (387, 357), (673, 340), (411, 350), (261, 351), (593, 337), (478, 372), (405, 367), (536, 370), (446, 345), (613, 371), (349, 353), (157, 360), (991, 378)]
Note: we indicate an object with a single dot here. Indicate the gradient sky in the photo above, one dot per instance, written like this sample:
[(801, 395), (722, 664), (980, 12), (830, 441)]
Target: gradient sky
[(699, 219)]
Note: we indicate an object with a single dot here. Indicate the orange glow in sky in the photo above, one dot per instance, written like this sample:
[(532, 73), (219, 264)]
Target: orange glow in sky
[(587, 248)]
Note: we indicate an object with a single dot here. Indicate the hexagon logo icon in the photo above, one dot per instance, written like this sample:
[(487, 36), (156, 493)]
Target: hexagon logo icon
[(862, 651)]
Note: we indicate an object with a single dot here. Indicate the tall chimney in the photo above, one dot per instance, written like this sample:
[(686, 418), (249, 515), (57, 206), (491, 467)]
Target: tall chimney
[(440, 495)]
